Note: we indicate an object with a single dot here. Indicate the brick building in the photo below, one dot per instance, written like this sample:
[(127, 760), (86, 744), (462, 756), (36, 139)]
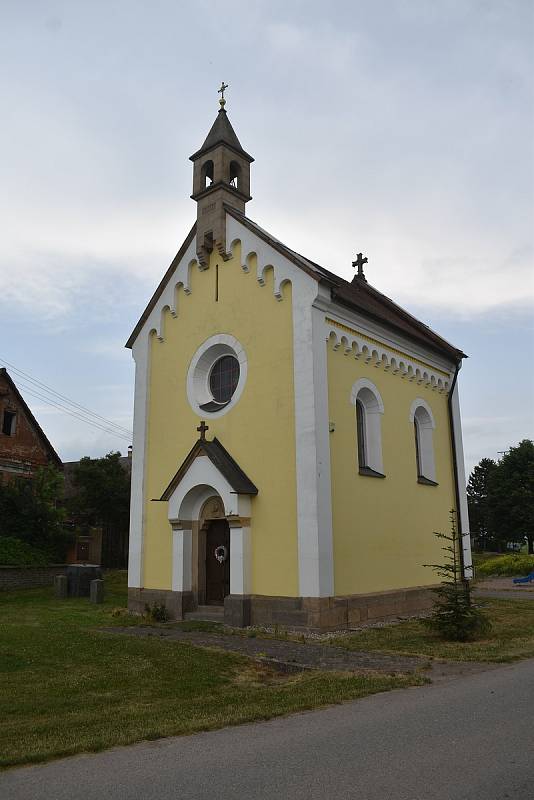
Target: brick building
[(23, 444)]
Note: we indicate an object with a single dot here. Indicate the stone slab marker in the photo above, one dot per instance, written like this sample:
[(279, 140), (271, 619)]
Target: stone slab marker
[(97, 591), (60, 586)]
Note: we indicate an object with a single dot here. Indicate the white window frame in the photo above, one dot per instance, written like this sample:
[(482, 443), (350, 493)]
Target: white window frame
[(421, 413), (209, 352), (366, 392)]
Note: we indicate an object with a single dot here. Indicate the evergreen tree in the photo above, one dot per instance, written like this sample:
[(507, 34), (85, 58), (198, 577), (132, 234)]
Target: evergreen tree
[(454, 616), (478, 489), (510, 501)]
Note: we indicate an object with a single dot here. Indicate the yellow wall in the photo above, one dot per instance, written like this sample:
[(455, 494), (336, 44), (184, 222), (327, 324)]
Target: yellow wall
[(383, 528), (258, 431)]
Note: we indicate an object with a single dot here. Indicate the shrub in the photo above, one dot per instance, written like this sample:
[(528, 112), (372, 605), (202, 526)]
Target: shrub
[(30, 511), (506, 565), (157, 612), (15, 553)]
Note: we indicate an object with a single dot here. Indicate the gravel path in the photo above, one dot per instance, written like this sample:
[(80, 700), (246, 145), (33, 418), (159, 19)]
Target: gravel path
[(287, 654)]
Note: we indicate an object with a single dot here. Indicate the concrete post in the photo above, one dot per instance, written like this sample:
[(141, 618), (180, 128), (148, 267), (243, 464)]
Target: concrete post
[(60, 586), (97, 591)]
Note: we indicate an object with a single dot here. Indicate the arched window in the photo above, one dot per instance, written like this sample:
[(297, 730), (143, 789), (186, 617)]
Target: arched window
[(235, 174), (207, 173), (369, 408), (423, 425), (360, 434)]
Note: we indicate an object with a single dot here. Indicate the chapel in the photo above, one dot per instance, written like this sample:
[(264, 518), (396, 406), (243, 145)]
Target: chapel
[(297, 436)]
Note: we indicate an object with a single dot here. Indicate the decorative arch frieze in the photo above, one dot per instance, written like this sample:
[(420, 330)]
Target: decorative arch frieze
[(255, 258), (379, 356)]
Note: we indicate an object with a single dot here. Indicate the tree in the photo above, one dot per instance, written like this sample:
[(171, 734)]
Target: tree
[(511, 496), (102, 496), (478, 489), (454, 616), (30, 512)]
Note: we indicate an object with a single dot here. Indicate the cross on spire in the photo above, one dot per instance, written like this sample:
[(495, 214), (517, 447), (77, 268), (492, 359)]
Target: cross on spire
[(202, 428), (360, 261), (221, 91)]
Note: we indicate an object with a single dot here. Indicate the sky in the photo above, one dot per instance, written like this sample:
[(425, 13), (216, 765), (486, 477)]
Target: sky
[(400, 128)]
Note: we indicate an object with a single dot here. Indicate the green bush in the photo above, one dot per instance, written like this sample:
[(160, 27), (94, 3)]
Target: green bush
[(14, 553), (157, 612), (506, 565)]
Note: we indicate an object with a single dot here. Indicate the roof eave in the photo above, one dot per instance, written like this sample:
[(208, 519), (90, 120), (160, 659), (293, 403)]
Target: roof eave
[(218, 143), (443, 348)]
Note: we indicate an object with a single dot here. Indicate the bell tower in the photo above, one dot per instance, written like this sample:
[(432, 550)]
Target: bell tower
[(221, 175)]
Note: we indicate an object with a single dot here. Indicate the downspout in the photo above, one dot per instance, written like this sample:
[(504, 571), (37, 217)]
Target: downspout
[(456, 477)]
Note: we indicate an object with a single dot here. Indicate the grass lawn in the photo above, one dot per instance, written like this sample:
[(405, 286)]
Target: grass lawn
[(66, 688), (511, 638)]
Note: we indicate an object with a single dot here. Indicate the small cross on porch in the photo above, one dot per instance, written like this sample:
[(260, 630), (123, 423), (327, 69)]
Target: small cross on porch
[(202, 428)]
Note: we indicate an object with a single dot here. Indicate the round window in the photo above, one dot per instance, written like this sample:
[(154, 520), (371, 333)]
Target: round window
[(216, 376), (224, 377)]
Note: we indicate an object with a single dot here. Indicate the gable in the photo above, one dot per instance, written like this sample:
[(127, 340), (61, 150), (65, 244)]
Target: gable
[(28, 442), (221, 460), (261, 249), (260, 255)]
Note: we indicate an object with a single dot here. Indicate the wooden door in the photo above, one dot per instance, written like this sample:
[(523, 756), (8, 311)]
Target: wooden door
[(217, 562)]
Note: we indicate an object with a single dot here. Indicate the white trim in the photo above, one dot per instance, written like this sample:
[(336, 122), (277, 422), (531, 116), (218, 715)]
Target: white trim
[(182, 559), (356, 345), (419, 402), (367, 393), (388, 339), (421, 412), (460, 465), (198, 373), (312, 446), (169, 300), (240, 560), (201, 481), (167, 303), (140, 353), (364, 383)]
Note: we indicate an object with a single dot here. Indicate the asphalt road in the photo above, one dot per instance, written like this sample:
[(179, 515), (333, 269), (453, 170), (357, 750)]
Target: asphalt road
[(471, 738)]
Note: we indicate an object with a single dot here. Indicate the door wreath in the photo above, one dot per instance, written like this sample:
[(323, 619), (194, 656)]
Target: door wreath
[(221, 553)]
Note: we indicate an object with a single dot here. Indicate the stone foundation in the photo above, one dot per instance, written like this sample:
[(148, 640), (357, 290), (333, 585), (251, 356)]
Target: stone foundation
[(176, 603), (315, 613)]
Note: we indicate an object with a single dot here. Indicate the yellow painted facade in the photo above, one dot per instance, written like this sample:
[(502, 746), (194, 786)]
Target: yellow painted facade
[(259, 431), (383, 528)]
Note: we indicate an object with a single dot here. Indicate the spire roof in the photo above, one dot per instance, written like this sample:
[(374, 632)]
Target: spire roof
[(221, 132)]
